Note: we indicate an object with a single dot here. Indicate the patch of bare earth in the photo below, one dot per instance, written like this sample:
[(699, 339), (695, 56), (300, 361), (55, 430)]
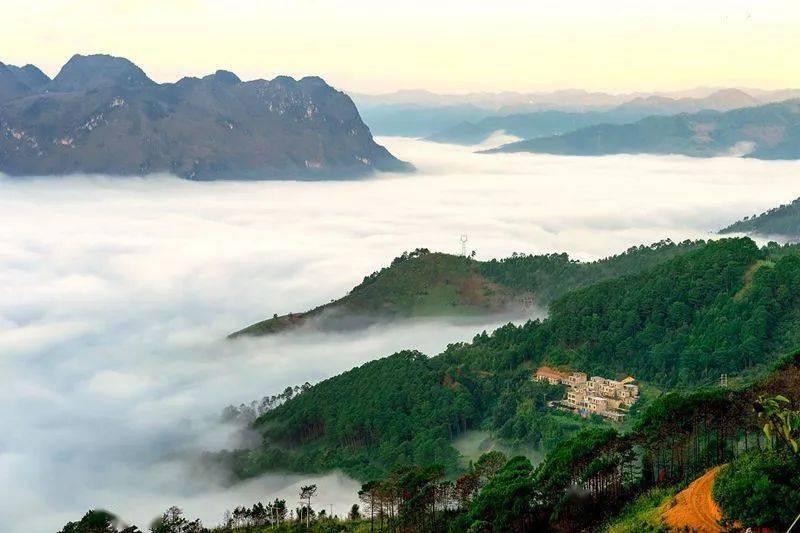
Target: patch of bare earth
[(475, 290), (695, 508)]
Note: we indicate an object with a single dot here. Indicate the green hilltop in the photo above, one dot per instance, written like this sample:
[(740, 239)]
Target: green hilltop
[(419, 283), (429, 284)]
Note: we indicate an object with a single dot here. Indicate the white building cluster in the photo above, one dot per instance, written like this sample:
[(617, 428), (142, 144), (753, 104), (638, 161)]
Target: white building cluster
[(596, 395)]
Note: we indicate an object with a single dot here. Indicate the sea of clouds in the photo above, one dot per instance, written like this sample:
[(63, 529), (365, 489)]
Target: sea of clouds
[(116, 295)]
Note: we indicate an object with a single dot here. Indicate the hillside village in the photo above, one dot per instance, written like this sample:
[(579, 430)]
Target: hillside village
[(605, 397)]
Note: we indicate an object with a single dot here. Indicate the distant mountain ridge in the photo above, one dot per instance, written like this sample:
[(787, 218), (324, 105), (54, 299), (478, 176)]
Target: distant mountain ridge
[(567, 99), (556, 122), (769, 131), (720, 100), (533, 125), (103, 114), (468, 118), (414, 120)]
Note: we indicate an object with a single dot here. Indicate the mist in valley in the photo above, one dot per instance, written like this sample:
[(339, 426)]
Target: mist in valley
[(117, 295)]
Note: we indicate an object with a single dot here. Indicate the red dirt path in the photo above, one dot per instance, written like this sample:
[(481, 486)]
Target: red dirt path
[(695, 507)]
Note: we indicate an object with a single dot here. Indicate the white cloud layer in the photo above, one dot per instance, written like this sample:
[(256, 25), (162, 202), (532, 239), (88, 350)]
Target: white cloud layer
[(116, 295)]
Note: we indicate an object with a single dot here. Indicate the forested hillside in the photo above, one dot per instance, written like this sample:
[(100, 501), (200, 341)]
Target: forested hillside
[(727, 307), (550, 276), (422, 283), (783, 221), (601, 479)]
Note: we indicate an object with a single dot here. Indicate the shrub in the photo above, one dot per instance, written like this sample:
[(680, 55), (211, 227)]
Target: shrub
[(760, 489)]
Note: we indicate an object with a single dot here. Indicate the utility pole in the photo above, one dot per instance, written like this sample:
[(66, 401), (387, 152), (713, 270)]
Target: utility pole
[(464, 244)]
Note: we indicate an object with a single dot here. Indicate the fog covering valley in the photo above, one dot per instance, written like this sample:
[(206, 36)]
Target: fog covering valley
[(117, 295)]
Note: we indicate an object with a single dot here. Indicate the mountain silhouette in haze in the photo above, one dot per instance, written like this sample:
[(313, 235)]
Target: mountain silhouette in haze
[(473, 117), (556, 122), (102, 114), (769, 131)]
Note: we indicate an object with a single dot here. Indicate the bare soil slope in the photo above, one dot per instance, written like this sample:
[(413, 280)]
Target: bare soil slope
[(695, 507)]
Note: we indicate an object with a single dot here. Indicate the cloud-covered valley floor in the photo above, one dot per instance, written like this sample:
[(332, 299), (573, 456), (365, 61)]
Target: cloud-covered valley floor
[(116, 296)]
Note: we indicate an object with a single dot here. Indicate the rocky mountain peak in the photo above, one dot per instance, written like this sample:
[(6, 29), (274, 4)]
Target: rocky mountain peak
[(98, 71), (225, 77), (102, 114)]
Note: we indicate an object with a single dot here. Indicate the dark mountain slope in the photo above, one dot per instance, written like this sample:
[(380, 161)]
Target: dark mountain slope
[(766, 132), (16, 82), (31, 76), (104, 115), (10, 85)]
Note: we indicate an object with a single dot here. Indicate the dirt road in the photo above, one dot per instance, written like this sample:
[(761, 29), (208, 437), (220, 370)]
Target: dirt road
[(695, 508)]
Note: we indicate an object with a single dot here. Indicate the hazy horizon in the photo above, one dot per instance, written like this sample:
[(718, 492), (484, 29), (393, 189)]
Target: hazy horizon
[(687, 90)]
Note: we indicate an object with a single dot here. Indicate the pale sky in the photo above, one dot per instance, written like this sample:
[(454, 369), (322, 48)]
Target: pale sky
[(441, 45)]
